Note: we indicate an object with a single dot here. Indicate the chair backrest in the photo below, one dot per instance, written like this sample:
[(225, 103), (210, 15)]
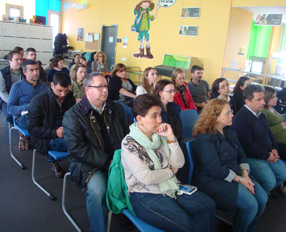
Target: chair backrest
[(189, 145), (189, 118)]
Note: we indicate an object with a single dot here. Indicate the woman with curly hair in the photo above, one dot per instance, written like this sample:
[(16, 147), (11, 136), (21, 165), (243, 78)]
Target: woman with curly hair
[(99, 63), (148, 83), (238, 90), (221, 169)]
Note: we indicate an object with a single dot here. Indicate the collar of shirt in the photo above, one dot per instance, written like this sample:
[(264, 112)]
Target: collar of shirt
[(96, 109), (16, 72), (255, 114), (220, 97)]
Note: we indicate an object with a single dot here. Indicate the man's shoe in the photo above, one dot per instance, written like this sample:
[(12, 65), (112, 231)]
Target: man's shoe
[(282, 189), (59, 172), (124, 221)]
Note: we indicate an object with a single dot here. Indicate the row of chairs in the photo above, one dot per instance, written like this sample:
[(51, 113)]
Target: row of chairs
[(189, 117)]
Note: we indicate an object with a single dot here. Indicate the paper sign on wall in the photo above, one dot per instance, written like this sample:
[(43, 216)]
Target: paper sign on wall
[(268, 19), (96, 36)]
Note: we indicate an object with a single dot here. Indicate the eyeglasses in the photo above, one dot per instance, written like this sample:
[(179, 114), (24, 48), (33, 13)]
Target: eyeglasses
[(229, 113), (99, 87), (59, 91), (169, 91), (181, 79), (224, 86)]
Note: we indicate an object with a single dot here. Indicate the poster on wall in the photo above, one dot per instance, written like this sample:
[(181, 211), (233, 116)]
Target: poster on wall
[(80, 34), (145, 13), (125, 42), (188, 30), (190, 12), (268, 19)]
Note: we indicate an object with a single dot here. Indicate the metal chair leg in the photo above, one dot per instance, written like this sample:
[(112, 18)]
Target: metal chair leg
[(11, 147), (109, 221), (33, 178), (63, 203), (223, 220)]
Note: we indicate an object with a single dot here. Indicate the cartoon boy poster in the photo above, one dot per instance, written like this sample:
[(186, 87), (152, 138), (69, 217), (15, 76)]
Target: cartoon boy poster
[(142, 25)]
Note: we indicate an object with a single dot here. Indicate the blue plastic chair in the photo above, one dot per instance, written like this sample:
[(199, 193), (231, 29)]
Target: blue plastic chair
[(57, 155), (23, 132), (189, 118)]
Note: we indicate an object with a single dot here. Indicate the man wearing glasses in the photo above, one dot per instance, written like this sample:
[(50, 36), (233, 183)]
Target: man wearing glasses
[(45, 116), (93, 130)]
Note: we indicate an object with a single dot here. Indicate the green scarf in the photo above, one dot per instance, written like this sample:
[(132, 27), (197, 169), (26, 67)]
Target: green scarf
[(168, 186)]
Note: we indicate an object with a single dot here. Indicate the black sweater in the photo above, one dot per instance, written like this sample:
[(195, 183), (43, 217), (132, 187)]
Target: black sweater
[(254, 134)]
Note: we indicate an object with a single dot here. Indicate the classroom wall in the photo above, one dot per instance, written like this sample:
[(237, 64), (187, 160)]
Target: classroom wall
[(239, 28), (244, 3), (208, 46)]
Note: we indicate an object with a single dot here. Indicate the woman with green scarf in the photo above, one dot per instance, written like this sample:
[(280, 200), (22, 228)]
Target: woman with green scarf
[(151, 156)]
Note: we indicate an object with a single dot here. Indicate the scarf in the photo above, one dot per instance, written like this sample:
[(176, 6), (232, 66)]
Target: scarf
[(168, 186), (181, 90)]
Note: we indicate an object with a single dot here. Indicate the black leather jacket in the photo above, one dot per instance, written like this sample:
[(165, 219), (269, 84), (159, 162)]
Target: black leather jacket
[(85, 142), (41, 117)]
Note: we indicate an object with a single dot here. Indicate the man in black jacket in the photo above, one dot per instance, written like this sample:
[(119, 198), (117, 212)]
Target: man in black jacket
[(45, 115), (93, 130)]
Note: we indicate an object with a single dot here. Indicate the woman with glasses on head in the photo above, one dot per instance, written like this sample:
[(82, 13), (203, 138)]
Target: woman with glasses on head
[(148, 83), (122, 89), (99, 63), (238, 91), (77, 74), (220, 89), (182, 96), (221, 168), (151, 156), (58, 66), (171, 111)]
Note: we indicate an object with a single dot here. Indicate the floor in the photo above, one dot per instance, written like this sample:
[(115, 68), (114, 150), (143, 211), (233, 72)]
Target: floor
[(25, 208)]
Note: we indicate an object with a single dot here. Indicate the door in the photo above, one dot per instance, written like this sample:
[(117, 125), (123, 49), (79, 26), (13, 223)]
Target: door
[(55, 20), (108, 44)]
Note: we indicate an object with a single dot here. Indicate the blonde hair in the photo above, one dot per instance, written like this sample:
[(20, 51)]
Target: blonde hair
[(96, 56), (74, 70), (206, 123), (145, 82), (175, 74)]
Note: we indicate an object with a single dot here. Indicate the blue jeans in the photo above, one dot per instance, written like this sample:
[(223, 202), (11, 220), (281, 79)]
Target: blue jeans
[(127, 110), (58, 144), (22, 122), (269, 175), (249, 207), (194, 212), (96, 200), (9, 117)]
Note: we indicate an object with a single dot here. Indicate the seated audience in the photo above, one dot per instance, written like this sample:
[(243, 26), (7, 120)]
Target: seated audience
[(257, 140), (122, 89), (75, 60), (220, 89), (9, 75), (58, 66), (23, 91), (199, 88), (238, 90), (49, 66), (171, 111), (221, 168), (77, 75), (93, 130), (149, 80), (99, 64), (83, 61), (151, 156), (45, 115), (182, 95), (31, 53)]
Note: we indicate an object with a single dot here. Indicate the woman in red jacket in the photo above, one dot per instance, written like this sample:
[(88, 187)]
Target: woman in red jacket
[(182, 96)]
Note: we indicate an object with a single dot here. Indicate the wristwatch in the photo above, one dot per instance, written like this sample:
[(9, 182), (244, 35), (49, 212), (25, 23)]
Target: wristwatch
[(174, 140), (239, 179)]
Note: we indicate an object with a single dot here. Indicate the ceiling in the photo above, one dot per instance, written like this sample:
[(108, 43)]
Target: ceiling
[(267, 10)]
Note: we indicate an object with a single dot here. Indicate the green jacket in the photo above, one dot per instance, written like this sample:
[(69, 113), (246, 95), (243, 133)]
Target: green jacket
[(274, 121), (117, 197)]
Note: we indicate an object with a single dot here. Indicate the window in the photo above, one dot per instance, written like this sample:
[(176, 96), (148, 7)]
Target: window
[(14, 11)]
